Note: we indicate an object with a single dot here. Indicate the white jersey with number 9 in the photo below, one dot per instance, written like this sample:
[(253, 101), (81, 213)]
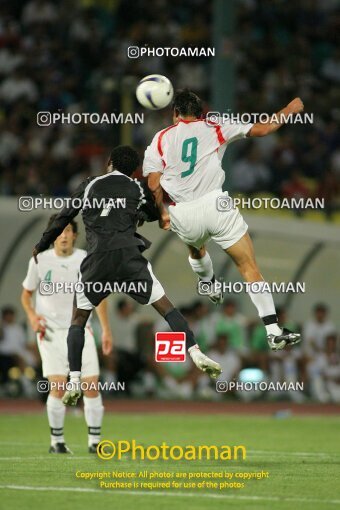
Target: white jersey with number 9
[(189, 156)]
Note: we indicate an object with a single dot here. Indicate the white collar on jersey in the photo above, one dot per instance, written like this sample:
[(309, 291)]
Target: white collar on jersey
[(116, 172)]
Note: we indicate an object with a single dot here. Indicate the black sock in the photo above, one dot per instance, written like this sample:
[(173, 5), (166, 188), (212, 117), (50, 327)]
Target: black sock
[(269, 319), (94, 435), (75, 345), (177, 322)]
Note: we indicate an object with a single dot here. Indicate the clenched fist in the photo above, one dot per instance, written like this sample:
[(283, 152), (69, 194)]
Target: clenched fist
[(295, 106), (164, 221)]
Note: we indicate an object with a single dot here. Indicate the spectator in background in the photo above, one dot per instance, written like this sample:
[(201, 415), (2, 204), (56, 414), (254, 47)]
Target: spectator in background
[(329, 189), (233, 324), (287, 366), (316, 330), (39, 11), (259, 349), (250, 174), (202, 325), (331, 369), (315, 333), (18, 86), (178, 380), (331, 67), (11, 57), (14, 351), (163, 380), (295, 187), (230, 362), (325, 372), (127, 357), (9, 142), (64, 48)]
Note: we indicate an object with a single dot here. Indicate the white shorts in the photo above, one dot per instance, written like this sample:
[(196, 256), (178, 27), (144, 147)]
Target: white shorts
[(54, 357), (198, 221)]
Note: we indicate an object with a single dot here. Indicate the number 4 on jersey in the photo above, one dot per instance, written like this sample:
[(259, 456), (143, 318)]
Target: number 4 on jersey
[(189, 155), (48, 276)]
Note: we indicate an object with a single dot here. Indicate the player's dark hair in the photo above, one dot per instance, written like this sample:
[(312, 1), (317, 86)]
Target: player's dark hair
[(73, 223), (121, 304), (186, 104), (229, 302), (197, 304), (219, 336), (320, 307), (124, 159), (280, 310), (7, 310)]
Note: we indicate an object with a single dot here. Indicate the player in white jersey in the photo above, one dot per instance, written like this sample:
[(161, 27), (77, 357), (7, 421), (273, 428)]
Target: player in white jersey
[(50, 318), (185, 160)]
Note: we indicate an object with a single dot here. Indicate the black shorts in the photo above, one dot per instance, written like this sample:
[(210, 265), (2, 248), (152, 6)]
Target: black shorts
[(123, 270)]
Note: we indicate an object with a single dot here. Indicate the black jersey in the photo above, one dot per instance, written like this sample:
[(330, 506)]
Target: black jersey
[(111, 205)]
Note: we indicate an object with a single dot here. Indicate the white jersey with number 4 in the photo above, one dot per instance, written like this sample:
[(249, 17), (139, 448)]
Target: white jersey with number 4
[(57, 307), (189, 156)]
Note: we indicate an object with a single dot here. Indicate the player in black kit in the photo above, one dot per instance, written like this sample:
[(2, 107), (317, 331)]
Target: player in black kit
[(113, 205)]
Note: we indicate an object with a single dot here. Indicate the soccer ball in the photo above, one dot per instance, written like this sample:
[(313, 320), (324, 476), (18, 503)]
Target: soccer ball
[(155, 92)]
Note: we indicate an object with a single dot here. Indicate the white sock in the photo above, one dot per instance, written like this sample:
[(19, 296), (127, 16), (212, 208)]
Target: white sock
[(273, 329), (94, 412), (56, 417), (202, 267), (193, 350), (263, 300), (75, 377)]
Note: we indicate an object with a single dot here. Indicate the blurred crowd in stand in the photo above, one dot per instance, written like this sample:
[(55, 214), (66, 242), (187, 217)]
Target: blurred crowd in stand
[(72, 57), (226, 335)]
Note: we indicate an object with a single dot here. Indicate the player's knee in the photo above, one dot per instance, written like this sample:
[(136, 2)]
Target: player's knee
[(197, 253), (80, 317), (57, 387), (78, 322), (90, 387), (57, 393), (91, 393)]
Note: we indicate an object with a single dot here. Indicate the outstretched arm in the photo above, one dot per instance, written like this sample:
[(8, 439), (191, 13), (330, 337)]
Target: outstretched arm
[(157, 191), (153, 167), (61, 220), (36, 321), (102, 312), (263, 129)]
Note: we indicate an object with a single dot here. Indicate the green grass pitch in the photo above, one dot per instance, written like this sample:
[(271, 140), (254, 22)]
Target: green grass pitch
[(302, 455)]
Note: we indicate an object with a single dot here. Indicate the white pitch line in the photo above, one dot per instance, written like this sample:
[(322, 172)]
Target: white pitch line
[(252, 452), (171, 494), (294, 454), (29, 444), (264, 452), (44, 457)]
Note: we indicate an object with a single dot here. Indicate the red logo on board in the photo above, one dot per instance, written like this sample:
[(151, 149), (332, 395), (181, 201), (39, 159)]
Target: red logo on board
[(170, 346)]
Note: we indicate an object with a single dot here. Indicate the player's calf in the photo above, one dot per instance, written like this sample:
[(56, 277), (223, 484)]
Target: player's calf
[(75, 346), (93, 411), (56, 417), (201, 264)]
